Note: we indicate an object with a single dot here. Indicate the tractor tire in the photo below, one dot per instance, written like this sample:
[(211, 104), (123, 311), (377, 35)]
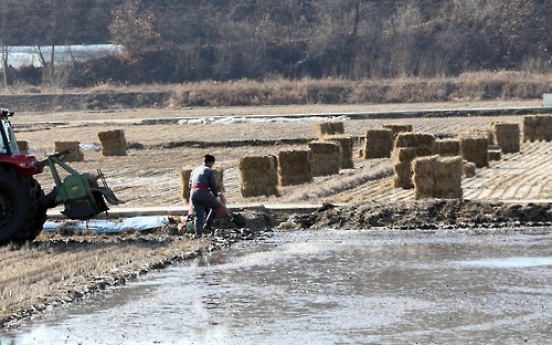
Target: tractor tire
[(39, 219), (17, 205)]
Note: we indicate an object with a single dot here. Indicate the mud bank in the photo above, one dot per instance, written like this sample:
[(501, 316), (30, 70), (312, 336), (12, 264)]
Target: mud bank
[(431, 214)]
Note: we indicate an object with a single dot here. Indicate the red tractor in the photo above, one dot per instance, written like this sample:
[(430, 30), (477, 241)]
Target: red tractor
[(23, 203)]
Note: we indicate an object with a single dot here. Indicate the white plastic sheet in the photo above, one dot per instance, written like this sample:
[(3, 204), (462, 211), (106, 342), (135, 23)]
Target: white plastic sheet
[(107, 226)]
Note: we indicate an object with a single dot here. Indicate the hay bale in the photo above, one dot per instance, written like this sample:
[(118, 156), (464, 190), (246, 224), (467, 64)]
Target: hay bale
[(378, 143), (478, 133), (346, 144), (325, 158), (414, 140), (23, 146), (185, 173), (423, 170), (537, 128), (409, 146), (448, 178), (437, 177), (396, 129), (402, 164), (113, 142), (185, 183), (75, 154), (337, 128), (475, 150), (258, 176), (324, 129), (507, 136), (447, 147), (294, 167)]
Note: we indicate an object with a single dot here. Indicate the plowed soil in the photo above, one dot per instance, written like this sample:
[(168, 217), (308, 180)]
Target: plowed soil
[(57, 268)]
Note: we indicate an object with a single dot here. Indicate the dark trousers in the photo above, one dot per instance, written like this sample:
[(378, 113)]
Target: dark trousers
[(203, 202)]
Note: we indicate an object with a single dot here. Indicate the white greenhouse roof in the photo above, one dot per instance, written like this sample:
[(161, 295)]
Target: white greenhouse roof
[(23, 56)]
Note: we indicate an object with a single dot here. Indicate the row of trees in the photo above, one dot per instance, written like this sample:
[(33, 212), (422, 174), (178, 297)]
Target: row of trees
[(221, 40)]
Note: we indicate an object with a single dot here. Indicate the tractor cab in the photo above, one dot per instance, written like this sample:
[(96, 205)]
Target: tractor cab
[(8, 143)]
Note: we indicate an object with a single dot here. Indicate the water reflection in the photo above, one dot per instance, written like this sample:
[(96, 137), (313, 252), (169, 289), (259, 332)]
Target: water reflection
[(327, 287)]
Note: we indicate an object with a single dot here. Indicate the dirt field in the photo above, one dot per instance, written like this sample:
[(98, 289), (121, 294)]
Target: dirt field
[(58, 268)]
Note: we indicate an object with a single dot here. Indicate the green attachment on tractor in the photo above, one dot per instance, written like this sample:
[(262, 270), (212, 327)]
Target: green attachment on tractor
[(81, 194)]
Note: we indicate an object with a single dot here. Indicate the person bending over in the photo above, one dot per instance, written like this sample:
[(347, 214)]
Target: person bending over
[(203, 192)]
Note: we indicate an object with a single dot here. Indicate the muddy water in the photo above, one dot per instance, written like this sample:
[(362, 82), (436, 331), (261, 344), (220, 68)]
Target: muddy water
[(335, 287)]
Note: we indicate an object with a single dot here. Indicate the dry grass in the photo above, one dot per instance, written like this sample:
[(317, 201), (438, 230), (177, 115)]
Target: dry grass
[(475, 86)]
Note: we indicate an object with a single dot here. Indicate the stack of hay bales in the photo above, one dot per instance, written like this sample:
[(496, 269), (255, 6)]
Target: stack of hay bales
[(378, 143), (113, 142), (409, 146), (185, 173), (507, 136), (324, 129), (537, 128), (396, 129), (294, 167), (346, 144), (437, 177), (475, 149), (447, 147), (325, 158), (23, 146), (75, 154), (258, 176)]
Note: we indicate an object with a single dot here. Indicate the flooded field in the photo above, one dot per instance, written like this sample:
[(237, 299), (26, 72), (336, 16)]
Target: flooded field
[(328, 287)]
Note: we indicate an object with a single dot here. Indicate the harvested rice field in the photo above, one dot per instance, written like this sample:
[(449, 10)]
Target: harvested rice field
[(58, 268), (149, 174)]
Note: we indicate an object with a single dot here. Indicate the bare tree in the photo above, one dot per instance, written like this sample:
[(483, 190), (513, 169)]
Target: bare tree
[(133, 28)]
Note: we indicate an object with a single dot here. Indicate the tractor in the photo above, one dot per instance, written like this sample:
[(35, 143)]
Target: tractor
[(23, 202)]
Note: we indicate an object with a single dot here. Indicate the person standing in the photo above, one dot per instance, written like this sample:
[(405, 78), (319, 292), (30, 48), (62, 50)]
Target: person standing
[(203, 192)]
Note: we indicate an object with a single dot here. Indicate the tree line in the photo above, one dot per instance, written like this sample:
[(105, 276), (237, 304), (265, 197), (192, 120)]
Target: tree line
[(184, 41)]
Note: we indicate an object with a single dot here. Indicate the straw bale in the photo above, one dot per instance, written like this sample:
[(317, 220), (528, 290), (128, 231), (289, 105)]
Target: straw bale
[(337, 128), (474, 149), (219, 178), (478, 133), (294, 167), (396, 129), (258, 176), (414, 140), (185, 173), (378, 143), (325, 158), (185, 183), (447, 147), (113, 142), (346, 143), (23, 146), (424, 166), (408, 154), (402, 177), (495, 155), (323, 129), (75, 155), (437, 177), (537, 128), (507, 136)]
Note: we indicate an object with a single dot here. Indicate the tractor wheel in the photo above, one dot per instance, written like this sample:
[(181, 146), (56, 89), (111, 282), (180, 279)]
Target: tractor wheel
[(39, 218), (17, 205)]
